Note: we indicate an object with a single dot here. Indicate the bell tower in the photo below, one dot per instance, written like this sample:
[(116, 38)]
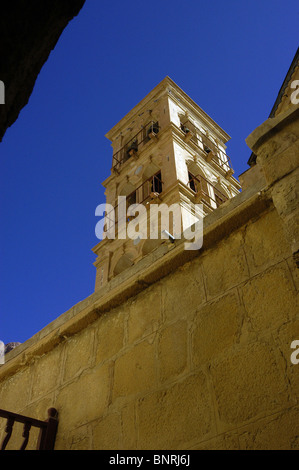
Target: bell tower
[(166, 150)]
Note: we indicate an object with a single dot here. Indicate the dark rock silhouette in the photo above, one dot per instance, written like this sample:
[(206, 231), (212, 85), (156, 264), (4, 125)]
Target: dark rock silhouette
[(28, 33)]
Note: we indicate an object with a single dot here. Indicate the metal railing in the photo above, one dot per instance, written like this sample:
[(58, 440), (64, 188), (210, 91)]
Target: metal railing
[(206, 191), (47, 434), (144, 193), (132, 146), (212, 153)]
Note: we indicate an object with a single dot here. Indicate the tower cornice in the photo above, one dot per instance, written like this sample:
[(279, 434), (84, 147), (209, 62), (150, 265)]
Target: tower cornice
[(168, 87)]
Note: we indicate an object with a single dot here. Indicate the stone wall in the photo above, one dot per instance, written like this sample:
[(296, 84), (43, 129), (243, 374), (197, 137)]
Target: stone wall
[(184, 350)]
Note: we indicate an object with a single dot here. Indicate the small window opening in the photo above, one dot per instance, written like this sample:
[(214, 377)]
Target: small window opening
[(157, 183), (192, 182), (153, 129), (131, 199), (131, 149)]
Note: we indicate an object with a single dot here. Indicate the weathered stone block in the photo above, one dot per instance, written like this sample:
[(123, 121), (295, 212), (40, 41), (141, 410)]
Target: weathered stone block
[(285, 198), (135, 371), (76, 439), (47, 373), (270, 298), (110, 335), (279, 155), (265, 242), (10, 397), (225, 266), (217, 327), (107, 433), (84, 399), (183, 292), (145, 314), (226, 441), (175, 415), (173, 350), (285, 194), (249, 383), (128, 425), (79, 352), (279, 432), (291, 262)]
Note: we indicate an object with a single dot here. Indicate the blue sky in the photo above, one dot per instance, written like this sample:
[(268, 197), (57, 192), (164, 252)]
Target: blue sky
[(229, 57)]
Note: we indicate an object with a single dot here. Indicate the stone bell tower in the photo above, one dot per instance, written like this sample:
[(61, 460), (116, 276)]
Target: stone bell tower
[(166, 150)]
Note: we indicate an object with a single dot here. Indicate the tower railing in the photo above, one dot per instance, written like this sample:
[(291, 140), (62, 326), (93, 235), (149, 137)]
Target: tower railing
[(47, 434), (145, 192), (207, 193), (212, 153), (131, 147)]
